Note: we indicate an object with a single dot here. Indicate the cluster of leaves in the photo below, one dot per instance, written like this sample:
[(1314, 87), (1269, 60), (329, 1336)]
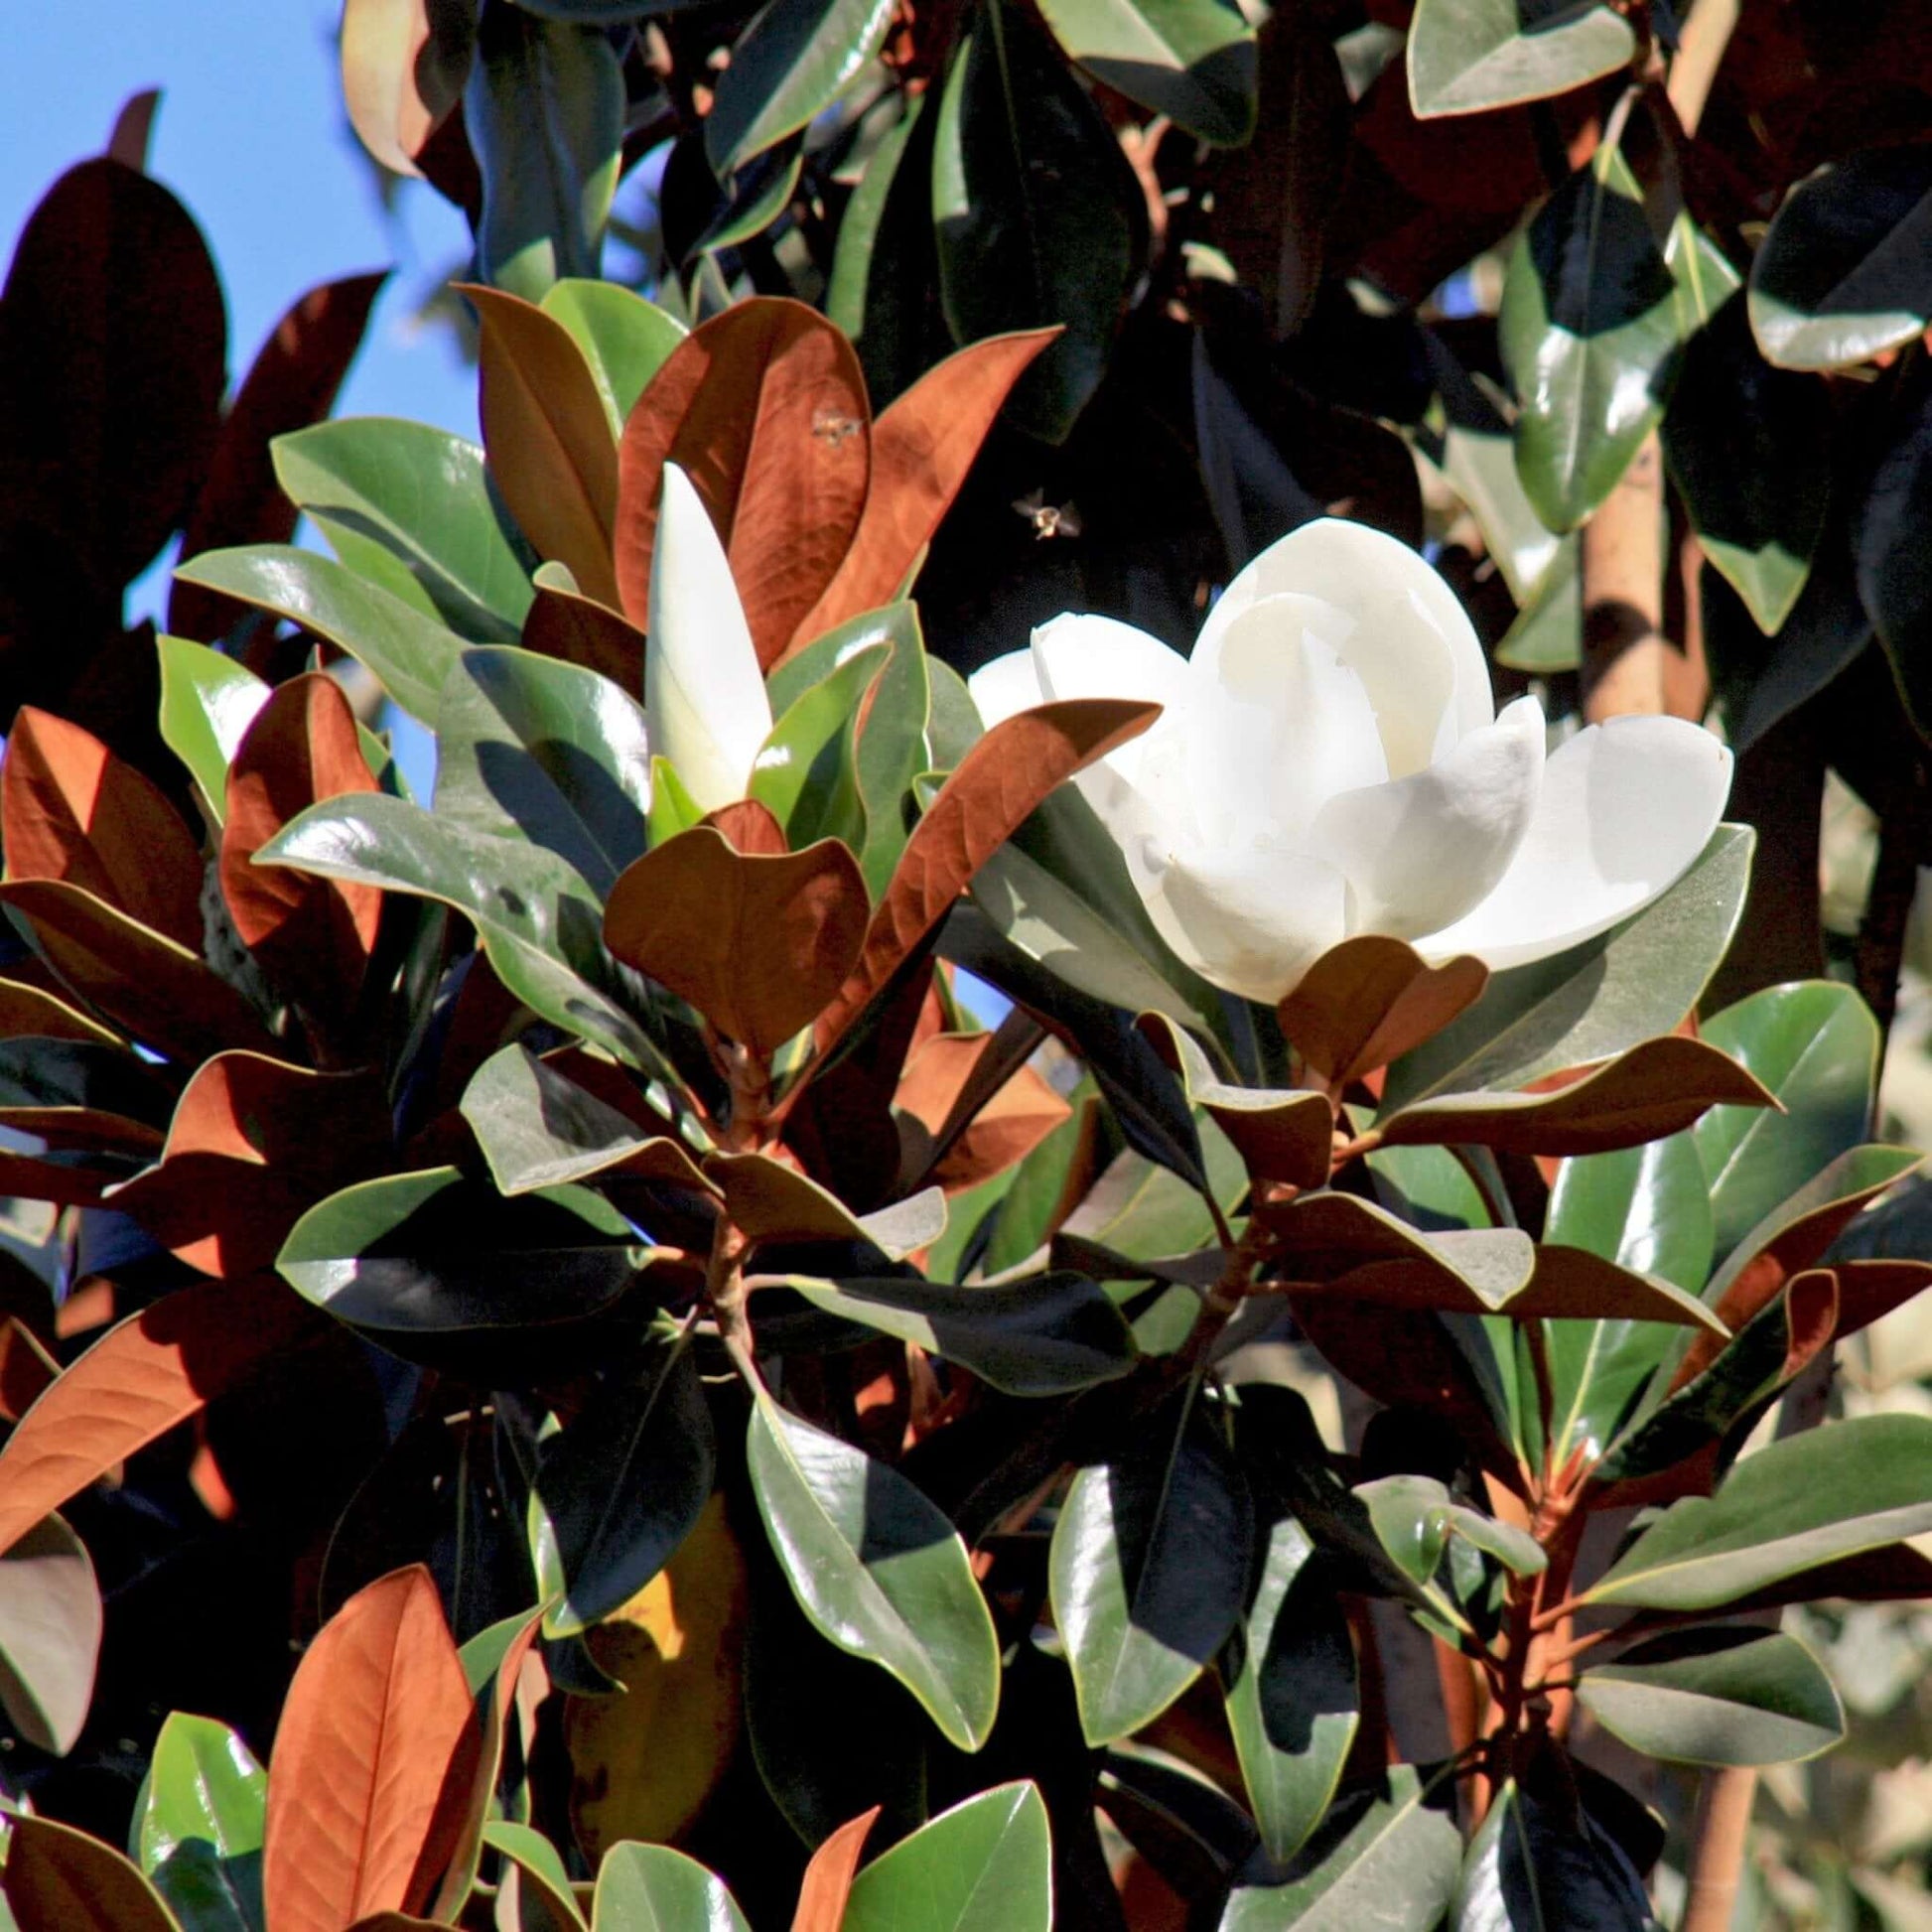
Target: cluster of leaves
[(680, 1377)]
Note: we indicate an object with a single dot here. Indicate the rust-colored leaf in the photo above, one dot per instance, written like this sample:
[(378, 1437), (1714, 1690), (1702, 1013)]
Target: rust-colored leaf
[(293, 383), (581, 631), (26, 1370), (1655, 1088), (1811, 1306), (1003, 1129), (160, 991), (827, 1883), (153, 1370), (127, 140), (758, 944), (72, 810), (57, 1879), (748, 827), (1868, 1291), (921, 450), (404, 63), (379, 1720), (244, 1158), (23, 1177), (547, 438), (985, 801), (313, 935), (1370, 999), (33, 1010), (83, 1129), (764, 408)]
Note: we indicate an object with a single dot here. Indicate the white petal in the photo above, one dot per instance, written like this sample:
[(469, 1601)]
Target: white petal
[(1625, 808), (1401, 632), (1005, 686), (1079, 656), (1250, 922), (1426, 849), (703, 694)]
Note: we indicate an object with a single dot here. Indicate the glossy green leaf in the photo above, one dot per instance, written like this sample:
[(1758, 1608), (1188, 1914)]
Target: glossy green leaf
[(1629, 984), (1895, 577), (1532, 1868), (544, 112), (1410, 1517), (1478, 457), (539, 1870), (530, 746), (892, 748), (806, 770), (1385, 1856), (410, 652), (985, 1866), (1466, 56), (1293, 1702), (197, 1829), (620, 1489), (1546, 633), (1038, 217), (419, 492), (1814, 1044), (1646, 1208), (1148, 1571), (1844, 270), (432, 1251), (1724, 1695), (672, 808), (50, 1635), (759, 193), (539, 922), (1031, 1196), (1047, 1335), (1793, 1506), (652, 1888), (625, 338), (208, 703), (1192, 61), (888, 219), (877, 1570), (1749, 448), (794, 59)]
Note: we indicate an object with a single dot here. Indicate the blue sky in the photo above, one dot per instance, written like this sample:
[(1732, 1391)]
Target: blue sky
[(252, 137)]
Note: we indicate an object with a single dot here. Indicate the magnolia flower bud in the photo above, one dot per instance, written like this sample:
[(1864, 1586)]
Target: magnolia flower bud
[(1329, 762)]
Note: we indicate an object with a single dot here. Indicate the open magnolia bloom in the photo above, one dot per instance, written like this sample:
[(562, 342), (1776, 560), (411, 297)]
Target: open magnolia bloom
[(703, 694), (1329, 762)]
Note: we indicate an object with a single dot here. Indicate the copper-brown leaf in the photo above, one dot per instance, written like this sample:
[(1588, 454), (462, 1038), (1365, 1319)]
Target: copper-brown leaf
[(581, 631), (764, 408), (1655, 1088), (1003, 1128), (758, 944), (378, 1720), (58, 1879), (292, 384), (921, 449), (244, 1158), (547, 438), (827, 1883), (1370, 999), (404, 63), (313, 935), (72, 810), (155, 1369), (985, 801)]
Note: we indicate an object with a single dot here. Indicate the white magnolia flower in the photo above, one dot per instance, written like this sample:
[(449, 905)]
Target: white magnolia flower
[(1329, 762), (703, 694)]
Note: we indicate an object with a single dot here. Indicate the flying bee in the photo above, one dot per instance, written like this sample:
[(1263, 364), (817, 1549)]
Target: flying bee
[(830, 427), (1048, 520)]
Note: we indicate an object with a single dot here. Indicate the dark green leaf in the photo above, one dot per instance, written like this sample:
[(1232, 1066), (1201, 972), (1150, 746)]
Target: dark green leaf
[(198, 1829), (1149, 1570), (877, 1570), (1529, 1868), (544, 112), (986, 1866), (532, 748), (1893, 575), (1047, 1335), (1724, 1695), (794, 59), (652, 1888), (410, 652), (1815, 1045), (419, 493), (1039, 219), (1192, 61), (1546, 633), (1844, 270), (866, 295), (543, 1894), (1596, 999), (1800, 1503), (1466, 56), (1292, 1698)]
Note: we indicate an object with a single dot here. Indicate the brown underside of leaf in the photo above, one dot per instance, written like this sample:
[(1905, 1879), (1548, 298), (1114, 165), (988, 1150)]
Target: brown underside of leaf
[(57, 1879), (1369, 1000), (581, 631), (403, 66), (1003, 1129), (827, 1883)]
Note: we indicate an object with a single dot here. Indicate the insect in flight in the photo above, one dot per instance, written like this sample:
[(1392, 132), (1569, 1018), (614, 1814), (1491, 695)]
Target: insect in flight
[(1048, 520)]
